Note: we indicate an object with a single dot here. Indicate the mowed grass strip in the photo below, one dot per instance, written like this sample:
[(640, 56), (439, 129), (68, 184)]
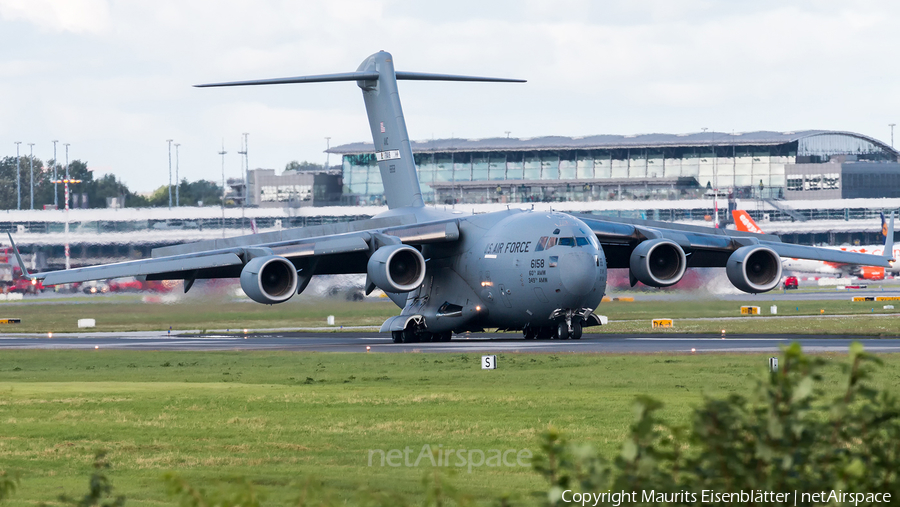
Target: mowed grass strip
[(277, 418), (208, 312)]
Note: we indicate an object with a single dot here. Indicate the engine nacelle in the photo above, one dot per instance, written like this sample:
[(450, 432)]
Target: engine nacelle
[(269, 280), (396, 268), (658, 262), (754, 268)]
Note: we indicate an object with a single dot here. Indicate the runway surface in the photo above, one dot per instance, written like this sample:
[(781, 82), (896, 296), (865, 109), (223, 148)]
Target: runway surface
[(360, 342)]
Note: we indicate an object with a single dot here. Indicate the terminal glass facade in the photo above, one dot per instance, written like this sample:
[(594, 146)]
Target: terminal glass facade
[(652, 172)]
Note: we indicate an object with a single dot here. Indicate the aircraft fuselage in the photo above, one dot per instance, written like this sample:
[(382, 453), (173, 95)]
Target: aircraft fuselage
[(512, 270)]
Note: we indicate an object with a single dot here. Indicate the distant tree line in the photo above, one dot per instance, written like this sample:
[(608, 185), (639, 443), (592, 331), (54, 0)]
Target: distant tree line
[(94, 191), (303, 166)]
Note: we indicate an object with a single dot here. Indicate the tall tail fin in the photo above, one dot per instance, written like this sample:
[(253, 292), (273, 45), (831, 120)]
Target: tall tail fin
[(744, 222), (378, 80)]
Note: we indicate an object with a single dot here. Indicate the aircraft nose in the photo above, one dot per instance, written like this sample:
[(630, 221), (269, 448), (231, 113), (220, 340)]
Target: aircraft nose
[(578, 272)]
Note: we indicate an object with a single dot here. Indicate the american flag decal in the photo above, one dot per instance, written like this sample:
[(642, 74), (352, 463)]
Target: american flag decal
[(382, 127)]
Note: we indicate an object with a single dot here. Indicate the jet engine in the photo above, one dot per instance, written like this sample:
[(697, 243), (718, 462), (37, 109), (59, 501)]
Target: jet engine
[(658, 262), (754, 268), (396, 268), (270, 279)]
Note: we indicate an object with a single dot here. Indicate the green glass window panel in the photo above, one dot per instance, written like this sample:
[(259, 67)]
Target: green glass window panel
[(375, 188), (497, 168), (427, 165), (726, 180), (443, 168), (602, 166), (637, 165), (672, 167), (515, 169), (619, 168), (690, 166), (532, 166), (480, 167), (549, 166), (567, 170), (584, 166), (462, 167)]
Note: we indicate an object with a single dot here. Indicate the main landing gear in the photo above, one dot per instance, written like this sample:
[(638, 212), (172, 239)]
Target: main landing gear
[(409, 335), (560, 331)]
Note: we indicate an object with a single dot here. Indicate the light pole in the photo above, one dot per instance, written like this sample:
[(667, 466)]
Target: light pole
[(31, 156), (67, 163), (892, 133), (170, 172), (67, 181), (327, 147), (223, 152), (67, 192), (18, 183), (177, 180), (244, 171), (55, 163)]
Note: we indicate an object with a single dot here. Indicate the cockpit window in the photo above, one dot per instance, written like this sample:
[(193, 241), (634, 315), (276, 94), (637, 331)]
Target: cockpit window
[(566, 241), (545, 243), (581, 241)]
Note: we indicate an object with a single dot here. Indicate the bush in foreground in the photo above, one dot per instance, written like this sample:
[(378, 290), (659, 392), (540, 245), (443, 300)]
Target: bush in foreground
[(786, 436)]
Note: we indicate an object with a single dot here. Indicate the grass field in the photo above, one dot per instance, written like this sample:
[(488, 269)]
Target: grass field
[(278, 418), (202, 312)]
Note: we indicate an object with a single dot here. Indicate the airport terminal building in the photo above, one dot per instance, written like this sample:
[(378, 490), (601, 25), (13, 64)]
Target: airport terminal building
[(780, 165)]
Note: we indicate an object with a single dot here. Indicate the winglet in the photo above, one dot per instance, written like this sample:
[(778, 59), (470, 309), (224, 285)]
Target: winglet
[(888, 251), (19, 258)]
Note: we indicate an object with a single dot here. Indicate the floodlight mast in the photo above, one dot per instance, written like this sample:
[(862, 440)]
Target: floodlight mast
[(223, 152), (378, 80), (18, 184), (55, 188)]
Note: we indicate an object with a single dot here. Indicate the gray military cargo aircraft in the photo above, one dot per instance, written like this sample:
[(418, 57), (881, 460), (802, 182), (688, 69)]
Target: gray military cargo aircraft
[(543, 273)]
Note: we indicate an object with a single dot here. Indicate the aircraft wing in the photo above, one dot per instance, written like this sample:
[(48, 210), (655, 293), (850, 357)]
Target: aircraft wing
[(327, 249), (705, 246)]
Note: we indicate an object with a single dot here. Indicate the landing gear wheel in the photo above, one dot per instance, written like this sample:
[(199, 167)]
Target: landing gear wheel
[(530, 333), (397, 336), (545, 333), (409, 336), (576, 331), (562, 331)]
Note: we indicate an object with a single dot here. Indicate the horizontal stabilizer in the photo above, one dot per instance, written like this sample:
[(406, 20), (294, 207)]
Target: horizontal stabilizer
[(322, 78), (361, 76), (424, 76)]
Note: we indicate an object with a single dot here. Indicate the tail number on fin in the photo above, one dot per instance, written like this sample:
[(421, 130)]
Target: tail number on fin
[(381, 156)]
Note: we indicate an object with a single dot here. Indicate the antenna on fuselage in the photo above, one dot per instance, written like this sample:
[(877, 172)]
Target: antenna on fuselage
[(378, 80)]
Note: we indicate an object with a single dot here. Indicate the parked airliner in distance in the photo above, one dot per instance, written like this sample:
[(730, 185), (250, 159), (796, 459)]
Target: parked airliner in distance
[(744, 222), (543, 273)]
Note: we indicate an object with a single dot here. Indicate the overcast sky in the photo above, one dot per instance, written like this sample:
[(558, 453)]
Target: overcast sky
[(113, 78)]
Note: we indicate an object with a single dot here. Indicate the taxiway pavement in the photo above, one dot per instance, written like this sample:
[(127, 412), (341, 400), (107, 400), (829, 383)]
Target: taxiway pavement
[(362, 342)]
